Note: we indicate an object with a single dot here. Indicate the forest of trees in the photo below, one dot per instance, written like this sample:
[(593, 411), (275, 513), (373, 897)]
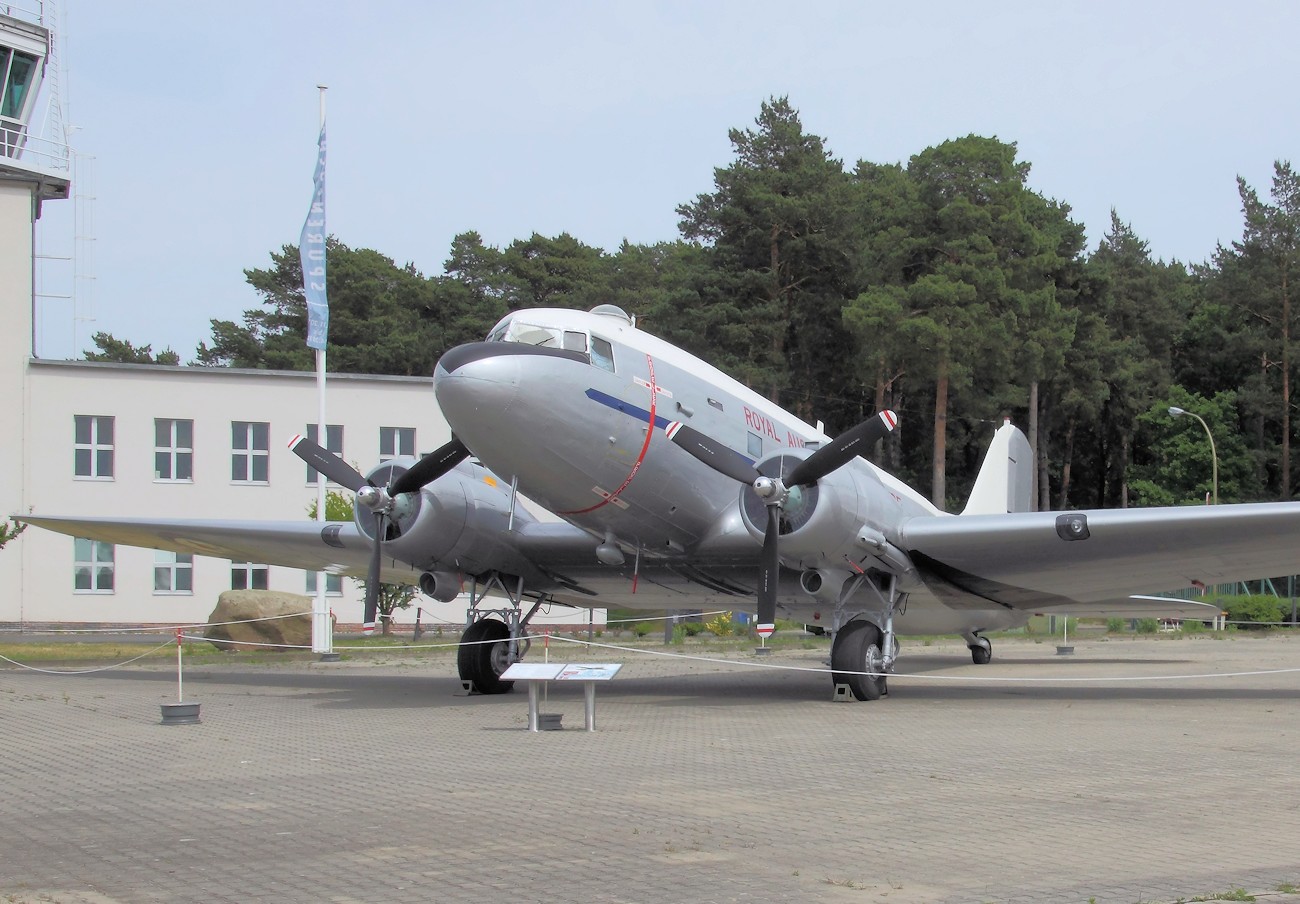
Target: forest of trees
[(945, 288)]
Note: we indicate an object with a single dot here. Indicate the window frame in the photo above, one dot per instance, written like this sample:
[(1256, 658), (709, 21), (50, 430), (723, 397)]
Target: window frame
[(251, 571), (179, 564), (397, 448), (333, 584), (96, 565), (175, 453), (250, 453), (95, 446)]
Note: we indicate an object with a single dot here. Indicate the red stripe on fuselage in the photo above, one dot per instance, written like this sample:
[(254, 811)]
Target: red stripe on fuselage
[(645, 447)]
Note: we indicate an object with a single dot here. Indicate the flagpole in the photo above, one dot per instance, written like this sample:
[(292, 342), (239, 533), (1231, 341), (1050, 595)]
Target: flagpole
[(322, 630)]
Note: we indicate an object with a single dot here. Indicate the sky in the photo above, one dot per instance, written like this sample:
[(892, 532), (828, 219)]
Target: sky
[(195, 125)]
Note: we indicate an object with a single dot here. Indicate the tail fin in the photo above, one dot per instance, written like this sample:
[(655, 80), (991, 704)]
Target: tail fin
[(1006, 479)]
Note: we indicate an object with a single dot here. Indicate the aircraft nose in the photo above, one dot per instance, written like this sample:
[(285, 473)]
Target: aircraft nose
[(475, 380)]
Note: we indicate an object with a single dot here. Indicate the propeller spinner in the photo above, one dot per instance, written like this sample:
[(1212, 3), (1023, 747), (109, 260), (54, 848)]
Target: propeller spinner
[(377, 499), (774, 491)]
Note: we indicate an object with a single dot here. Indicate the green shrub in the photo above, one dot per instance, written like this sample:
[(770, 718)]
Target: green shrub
[(1147, 626), (692, 628), (641, 629), (1116, 625), (1254, 609), (1193, 626)]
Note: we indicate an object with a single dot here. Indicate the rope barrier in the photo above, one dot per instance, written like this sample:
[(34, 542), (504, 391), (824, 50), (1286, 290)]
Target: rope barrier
[(103, 668), (666, 654)]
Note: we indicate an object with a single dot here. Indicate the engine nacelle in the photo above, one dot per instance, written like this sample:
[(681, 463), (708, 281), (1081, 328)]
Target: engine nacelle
[(448, 527), (819, 524)]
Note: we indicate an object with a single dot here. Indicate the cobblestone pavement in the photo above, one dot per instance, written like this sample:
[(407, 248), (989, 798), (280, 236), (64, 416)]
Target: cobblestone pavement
[(372, 781)]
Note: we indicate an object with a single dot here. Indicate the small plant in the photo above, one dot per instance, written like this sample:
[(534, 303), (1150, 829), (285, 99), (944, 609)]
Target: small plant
[(1237, 894), (1147, 626), (1193, 626), (1115, 625), (641, 629), (721, 625)]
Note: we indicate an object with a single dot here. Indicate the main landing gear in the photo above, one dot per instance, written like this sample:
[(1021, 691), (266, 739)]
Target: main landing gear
[(864, 650), (981, 648), (494, 639)]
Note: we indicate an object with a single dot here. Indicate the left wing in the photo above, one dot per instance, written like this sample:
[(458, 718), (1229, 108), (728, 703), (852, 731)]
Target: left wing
[(333, 546), (1057, 560)]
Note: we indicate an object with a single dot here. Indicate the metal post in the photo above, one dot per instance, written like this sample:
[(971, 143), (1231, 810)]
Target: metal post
[(589, 693), (534, 719)]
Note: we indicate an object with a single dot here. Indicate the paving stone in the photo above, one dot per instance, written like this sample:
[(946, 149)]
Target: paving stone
[(706, 782)]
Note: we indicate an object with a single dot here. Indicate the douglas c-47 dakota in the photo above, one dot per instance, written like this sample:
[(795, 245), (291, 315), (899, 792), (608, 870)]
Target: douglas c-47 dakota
[(679, 488)]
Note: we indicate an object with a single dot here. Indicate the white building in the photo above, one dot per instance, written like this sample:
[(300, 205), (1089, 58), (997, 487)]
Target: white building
[(88, 438)]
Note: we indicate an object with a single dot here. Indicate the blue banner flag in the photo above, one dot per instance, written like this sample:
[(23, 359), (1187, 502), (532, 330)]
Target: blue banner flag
[(311, 251)]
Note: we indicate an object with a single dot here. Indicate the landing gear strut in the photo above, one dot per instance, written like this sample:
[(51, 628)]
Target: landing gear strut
[(863, 646), (494, 639)]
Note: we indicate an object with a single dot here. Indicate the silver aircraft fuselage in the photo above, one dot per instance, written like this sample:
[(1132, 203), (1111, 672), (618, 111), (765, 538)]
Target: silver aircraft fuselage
[(574, 405)]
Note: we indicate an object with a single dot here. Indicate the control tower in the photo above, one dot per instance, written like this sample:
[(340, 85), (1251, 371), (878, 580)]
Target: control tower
[(33, 169)]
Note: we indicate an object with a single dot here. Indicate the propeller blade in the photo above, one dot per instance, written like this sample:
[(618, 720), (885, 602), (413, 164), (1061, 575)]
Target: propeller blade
[(372, 579), (329, 464), (430, 468), (844, 447), (720, 458), (771, 571)]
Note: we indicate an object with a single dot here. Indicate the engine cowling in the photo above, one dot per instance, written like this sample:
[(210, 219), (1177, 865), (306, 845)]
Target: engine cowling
[(819, 524), (421, 526)]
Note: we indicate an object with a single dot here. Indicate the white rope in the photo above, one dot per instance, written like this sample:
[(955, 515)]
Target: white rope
[(825, 671), (105, 668)]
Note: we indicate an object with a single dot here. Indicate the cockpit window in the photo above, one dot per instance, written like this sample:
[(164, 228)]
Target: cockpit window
[(498, 333), (602, 354), (574, 341)]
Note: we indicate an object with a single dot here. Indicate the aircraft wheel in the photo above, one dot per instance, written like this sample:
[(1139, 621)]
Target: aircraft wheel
[(484, 654), (981, 652), (857, 649)]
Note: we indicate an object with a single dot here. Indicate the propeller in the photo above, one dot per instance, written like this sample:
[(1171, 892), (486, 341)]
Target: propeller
[(774, 492), (379, 499)]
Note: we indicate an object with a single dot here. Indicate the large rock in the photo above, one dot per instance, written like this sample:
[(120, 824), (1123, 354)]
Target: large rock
[(250, 610)]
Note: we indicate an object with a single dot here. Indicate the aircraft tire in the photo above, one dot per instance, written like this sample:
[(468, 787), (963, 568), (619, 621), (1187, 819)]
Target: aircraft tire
[(482, 663), (982, 652), (857, 649)]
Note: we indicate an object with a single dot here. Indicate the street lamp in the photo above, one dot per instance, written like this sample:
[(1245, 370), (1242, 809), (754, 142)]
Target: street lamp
[(1179, 412)]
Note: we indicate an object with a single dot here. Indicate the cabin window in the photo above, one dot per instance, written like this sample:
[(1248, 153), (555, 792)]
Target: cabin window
[(602, 354), (755, 445), (716, 404)]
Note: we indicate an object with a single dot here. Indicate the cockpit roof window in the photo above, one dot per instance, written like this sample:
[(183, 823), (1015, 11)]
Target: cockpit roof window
[(512, 329)]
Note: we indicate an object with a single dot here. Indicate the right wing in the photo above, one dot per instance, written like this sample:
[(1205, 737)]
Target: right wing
[(1094, 559)]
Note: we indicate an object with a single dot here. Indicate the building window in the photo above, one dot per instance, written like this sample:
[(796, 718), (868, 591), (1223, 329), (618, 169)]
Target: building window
[(250, 451), (92, 446), (333, 584), (396, 441), (247, 576), (173, 572), (92, 567), (16, 75), (173, 449), (333, 443)]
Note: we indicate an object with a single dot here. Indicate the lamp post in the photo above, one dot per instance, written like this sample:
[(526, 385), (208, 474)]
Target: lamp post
[(1179, 412)]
